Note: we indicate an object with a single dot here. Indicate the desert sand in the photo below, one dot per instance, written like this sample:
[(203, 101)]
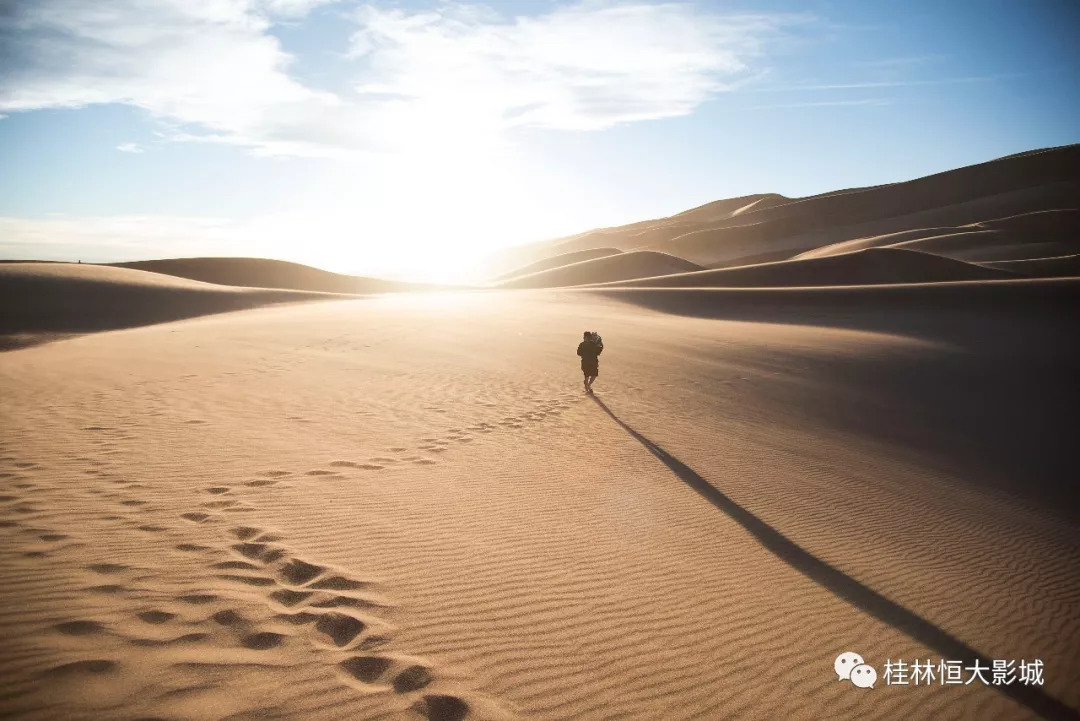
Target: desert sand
[(225, 502)]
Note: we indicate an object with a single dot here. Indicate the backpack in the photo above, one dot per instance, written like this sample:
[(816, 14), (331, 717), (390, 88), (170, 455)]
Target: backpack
[(597, 341)]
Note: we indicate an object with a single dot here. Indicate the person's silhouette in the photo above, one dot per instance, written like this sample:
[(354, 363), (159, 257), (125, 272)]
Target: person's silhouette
[(589, 350)]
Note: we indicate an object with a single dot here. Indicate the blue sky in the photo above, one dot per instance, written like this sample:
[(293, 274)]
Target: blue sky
[(407, 138)]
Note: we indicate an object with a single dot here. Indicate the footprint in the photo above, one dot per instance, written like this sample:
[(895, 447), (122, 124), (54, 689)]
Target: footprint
[(228, 617), (247, 580), (110, 588), (246, 533), (79, 628), (156, 617), (413, 678), (438, 707), (218, 490), (150, 528), (95, 666), (340, 628), (290, 598), (371, 466), (195, 517), (191, 547), (367, 669), (344, 464), (107, 567), (320, 472), (260, 483), (236, 565), (197, 598), (263, 641), (299, 572)]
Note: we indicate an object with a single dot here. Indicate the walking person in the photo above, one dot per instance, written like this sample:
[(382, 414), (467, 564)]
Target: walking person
[(589, 350)]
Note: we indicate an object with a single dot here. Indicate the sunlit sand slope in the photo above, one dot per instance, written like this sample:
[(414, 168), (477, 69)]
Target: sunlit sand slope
[(863, 267), (405, 507), (560, 260), (622, 266), (39, 301), (1040, 187), (265, 273)]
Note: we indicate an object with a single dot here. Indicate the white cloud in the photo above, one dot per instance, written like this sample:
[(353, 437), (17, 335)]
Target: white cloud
[(207, 63), (129, 148), (454, 75), (581, 67)]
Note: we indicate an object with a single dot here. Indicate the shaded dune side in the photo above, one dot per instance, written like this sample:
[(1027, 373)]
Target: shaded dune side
[(557, 261), (1002, 395), (40, 301), (1031, 235), (267, 273), (864, 267), (717, 245), (1060, 266), (638, 264), (766, 226)]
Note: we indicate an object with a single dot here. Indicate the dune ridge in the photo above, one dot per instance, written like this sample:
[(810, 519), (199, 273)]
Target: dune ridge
[(871, 266), (1014, 208), (43, 301), (620, 266), (267, 273)]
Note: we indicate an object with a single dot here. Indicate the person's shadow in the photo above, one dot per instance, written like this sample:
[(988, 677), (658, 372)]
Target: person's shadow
[(843, 585)]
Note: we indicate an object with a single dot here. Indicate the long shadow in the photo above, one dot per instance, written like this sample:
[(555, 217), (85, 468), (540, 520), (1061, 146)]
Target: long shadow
[(846, 587)]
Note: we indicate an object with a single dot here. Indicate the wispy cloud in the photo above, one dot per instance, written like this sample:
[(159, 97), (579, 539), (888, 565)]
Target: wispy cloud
[(581, 67), (214, 68), (129, 148), (208, 63), (891, 83), (825, 104)]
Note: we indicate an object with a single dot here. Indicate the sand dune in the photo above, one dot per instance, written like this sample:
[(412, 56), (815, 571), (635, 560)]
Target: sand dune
[(1060, 266), (766, 228), (40, 301), (557, 261), (403, 506), (622, 266), (357, 509), (863, 267), (264, 273), (1030, 235)]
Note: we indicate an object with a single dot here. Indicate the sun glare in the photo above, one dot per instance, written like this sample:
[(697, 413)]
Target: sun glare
[(429, 217)]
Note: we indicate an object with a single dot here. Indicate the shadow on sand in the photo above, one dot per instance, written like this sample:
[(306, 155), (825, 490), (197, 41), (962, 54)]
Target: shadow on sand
[(844, 586)]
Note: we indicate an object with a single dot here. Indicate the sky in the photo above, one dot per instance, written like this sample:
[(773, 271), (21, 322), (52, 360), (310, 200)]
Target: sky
[(407, 139)]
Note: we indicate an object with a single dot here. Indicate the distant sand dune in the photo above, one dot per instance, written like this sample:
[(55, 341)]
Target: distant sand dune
[(1039, 189), (557, 261), (1057, 267), (265, 273), (43, 300), (1029, 234), (622, 266), (863, 267)]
